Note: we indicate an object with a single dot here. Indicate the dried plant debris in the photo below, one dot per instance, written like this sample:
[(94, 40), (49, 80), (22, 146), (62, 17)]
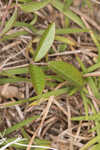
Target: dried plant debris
[(49, 74)]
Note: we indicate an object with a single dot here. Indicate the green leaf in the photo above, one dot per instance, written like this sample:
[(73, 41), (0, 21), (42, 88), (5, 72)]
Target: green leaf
[(67, 3), (10, 23), (45, 42), (67, 72), (37, 78), (33, 6)]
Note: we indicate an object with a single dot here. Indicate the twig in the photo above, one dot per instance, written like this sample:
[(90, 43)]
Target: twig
[(45, 112), (70, 52), (95, 1), (4, 63), (92, 74)]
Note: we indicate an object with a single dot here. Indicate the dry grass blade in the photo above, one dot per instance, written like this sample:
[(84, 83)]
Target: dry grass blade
[(44, 114), (92, 22)]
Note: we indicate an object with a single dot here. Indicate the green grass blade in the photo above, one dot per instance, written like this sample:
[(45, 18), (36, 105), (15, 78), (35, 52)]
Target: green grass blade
[(85, 104), (90, 143), (20, 124), (93, 87), (13, 80), (10, 23), (60, 6), (93, 67), (16, 71), (70, 30), (65, 40), (96, 147), (46, 95)]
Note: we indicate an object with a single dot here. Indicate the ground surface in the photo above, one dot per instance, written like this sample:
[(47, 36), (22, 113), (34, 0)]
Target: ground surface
[(81, 44)]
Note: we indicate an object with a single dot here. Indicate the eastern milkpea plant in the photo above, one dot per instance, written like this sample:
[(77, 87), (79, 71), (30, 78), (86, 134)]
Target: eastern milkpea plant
[(63, 71)]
